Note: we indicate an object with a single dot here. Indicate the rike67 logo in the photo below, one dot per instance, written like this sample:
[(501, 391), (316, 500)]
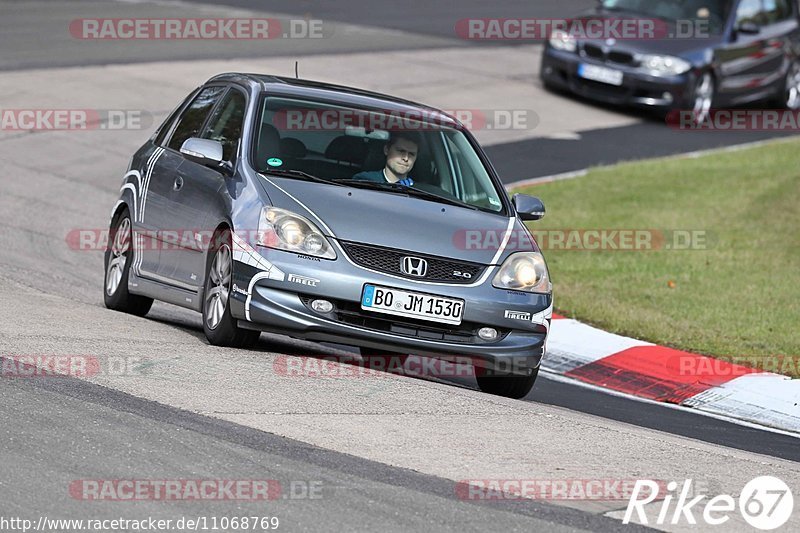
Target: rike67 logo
[(765, 503)]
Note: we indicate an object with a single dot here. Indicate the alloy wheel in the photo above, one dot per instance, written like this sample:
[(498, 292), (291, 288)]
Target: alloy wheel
[(216, 298), (793, 86), (119, 256), (703, 96)]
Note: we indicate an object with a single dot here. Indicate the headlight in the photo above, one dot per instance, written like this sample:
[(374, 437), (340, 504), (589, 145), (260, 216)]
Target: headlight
[(561, 40), (284, 230), (524, 271), (664, 65)]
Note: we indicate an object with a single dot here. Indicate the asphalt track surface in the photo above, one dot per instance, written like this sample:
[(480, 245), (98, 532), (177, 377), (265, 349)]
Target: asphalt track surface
[(606, 146), (150, 437), (191, 424)]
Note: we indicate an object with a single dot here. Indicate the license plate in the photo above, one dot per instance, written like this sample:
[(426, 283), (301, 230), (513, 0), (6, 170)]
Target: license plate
[(601, 74), (412, 304)]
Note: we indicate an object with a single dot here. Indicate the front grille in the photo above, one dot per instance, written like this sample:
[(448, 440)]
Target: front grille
[(390, 262), (623, 58), (607, 55), (595, 52)]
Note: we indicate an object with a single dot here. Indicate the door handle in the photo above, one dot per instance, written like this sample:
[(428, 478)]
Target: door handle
[(178, 184)]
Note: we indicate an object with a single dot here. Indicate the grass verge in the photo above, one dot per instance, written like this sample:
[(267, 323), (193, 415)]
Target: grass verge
[(737, 295)]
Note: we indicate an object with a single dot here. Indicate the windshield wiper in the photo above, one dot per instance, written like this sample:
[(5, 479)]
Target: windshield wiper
[(442, 199), (374, 185), (402, 189), (297, 174)]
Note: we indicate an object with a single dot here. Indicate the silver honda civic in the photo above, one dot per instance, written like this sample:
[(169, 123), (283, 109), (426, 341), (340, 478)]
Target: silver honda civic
[(337, 215)]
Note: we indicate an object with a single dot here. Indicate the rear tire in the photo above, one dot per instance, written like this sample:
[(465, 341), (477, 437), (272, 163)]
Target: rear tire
[(508, 385), (118, 259), (219, 326)]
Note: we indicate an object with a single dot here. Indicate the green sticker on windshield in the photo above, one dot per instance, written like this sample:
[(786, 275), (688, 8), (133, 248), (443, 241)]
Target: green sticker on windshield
[(274, 162)]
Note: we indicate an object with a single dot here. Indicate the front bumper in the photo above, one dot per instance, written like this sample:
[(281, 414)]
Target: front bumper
[(280, 306), (560, 70)]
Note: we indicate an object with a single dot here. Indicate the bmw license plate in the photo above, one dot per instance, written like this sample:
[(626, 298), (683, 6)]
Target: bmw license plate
[(412, 304), (601, 74)]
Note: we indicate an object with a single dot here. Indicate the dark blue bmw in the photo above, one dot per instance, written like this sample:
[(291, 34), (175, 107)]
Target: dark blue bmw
[(713, 54)]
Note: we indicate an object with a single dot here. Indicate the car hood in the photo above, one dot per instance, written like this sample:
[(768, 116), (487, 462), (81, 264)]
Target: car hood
[(686, 48), (397, 221)]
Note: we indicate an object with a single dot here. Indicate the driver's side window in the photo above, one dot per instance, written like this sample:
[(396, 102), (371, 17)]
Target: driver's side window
[(225, 124), (194, 116)]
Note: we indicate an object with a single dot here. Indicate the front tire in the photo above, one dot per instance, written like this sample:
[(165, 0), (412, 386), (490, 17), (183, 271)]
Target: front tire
[(509, 385), (118, 259), (219, 325)]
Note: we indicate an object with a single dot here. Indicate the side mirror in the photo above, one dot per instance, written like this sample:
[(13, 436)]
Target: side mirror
[(528, 207), (748, 28), (203, 151)]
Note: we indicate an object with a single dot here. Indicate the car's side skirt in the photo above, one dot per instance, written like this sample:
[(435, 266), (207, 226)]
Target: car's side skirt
[(166, 293)]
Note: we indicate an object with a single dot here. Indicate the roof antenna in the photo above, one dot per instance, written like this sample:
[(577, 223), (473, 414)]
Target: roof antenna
[(295, 70)]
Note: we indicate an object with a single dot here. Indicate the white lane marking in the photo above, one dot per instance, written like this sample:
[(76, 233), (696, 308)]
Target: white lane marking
[(562, 379), (547, 179)]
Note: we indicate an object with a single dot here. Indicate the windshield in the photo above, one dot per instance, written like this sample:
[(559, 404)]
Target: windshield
[(711, 12), (383, 151)]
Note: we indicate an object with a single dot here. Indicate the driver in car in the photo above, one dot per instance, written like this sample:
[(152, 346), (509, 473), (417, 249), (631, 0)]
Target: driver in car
[(401, 153)]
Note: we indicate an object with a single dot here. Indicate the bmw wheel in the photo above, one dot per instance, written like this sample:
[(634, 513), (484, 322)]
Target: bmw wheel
[(118, 259), (219, 326), (703, 97), (789, 97)]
